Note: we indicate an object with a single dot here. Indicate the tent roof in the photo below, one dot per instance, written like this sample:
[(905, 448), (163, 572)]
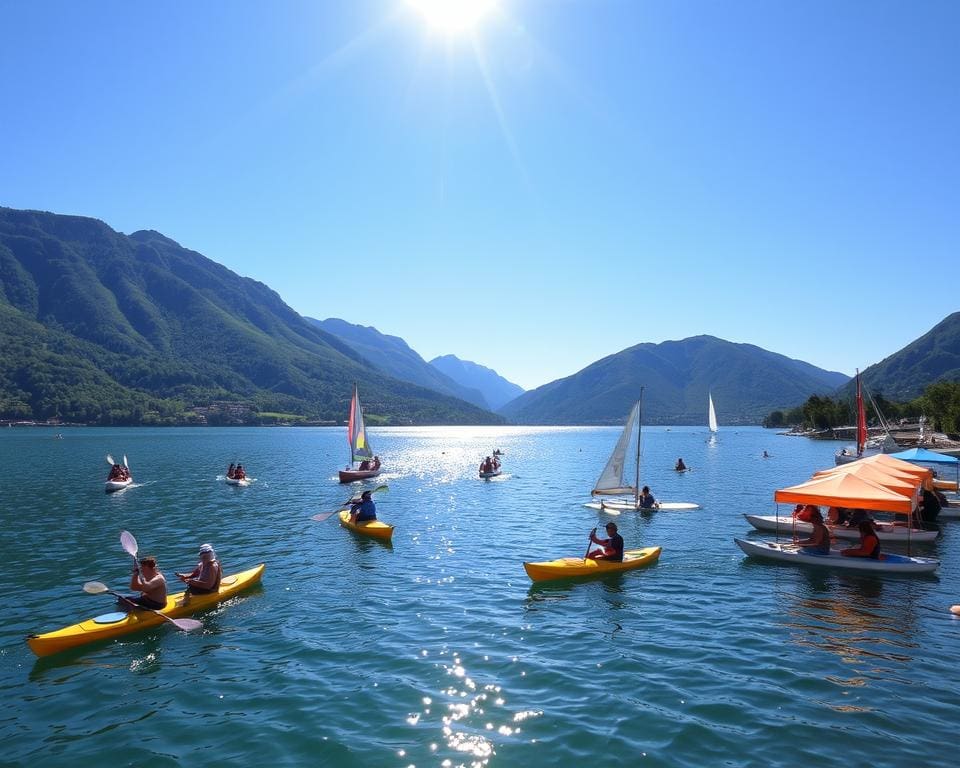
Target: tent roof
[(888, 477), (922, 454), (845, 490), (904, 466)]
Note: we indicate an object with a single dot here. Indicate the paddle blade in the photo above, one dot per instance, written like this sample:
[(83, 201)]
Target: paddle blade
[(324, 516), (381, 489), (95, 588), (110, 460), (128, 543), (187, 625), (125, 461)]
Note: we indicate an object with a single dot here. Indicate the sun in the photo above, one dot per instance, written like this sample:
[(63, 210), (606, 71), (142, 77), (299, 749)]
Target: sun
[(453, 17)]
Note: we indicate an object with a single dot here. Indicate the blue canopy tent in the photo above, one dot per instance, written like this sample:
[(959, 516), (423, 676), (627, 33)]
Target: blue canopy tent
[(928, 457)]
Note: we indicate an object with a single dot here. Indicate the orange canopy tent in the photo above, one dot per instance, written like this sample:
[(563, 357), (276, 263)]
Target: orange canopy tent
[(903, 466), (846, 490), (887, 477)]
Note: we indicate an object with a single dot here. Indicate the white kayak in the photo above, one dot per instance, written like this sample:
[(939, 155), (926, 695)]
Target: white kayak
[(629, 506), (790, 553), (885, 531), (487, 475), (117, 485), (242, 482)]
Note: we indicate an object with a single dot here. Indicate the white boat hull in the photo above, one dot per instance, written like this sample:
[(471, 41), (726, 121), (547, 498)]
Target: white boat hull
[(620, 505), (790, 553), (487, 475), (885, 531), (241, 483), (112, 486)]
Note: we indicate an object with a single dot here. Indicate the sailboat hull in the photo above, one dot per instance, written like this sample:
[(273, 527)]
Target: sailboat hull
[(352, 475), (629, 506)]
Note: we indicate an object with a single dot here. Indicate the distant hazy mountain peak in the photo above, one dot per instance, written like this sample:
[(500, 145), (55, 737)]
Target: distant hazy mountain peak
[(496, 390)]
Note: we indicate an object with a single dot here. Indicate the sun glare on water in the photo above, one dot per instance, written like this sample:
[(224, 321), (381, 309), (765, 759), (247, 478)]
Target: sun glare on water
[(452, 17)]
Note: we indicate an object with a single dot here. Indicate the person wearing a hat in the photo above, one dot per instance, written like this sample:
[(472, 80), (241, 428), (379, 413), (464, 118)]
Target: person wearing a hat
[(205, 578), (363, 510), (612, 547), (151, 584)]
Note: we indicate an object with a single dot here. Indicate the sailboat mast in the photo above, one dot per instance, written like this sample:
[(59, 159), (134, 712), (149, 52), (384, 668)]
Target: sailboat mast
[(636, 482)]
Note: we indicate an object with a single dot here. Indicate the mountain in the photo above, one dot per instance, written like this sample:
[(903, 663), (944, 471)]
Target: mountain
[(747, 383), (98, 326), (907, 373), (497, 391), (393, 356)]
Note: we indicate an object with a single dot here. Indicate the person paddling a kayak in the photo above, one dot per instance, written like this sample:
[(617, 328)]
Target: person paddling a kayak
[(612, 547), (151, 584), (363, 510), (205, 578)]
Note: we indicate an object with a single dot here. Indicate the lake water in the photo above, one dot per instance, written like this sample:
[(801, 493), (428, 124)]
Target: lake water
[(439, 651)]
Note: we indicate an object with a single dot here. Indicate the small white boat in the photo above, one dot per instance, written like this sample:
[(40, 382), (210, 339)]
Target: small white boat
[(790, 553), (885, 531), (622, 505), (241, 482), (112, 486), (488, 475)]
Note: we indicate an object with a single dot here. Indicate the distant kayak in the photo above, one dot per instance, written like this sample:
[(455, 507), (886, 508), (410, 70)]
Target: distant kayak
[(111, 625), (242, 482), (575, 567), (488, 475), (376, 529), (790, 553)]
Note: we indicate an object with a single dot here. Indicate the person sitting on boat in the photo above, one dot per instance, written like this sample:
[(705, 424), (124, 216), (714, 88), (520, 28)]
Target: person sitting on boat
[(837, 516), (376, 463), (807, 512), (116, 472), (240, 473), (929, 503), (646, 499), (681, 467), (819, 541), (364, 465), (612, 547), (869, 542), (230, 471), (151, 584), (205, 578), (486, 465), (363, 510)]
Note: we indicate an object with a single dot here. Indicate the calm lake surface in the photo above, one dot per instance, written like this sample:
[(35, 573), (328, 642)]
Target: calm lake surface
[(439, 651)]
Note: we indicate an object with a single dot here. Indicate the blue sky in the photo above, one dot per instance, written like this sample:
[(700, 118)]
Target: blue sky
[(561, 181)]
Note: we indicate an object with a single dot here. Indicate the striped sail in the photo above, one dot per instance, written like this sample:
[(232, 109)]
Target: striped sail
[(612, 481), (356, 432)]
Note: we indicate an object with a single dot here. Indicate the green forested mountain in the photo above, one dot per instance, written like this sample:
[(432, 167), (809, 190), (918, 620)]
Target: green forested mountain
[(393, 356), (97, 326), (747, 383), (905, 375)]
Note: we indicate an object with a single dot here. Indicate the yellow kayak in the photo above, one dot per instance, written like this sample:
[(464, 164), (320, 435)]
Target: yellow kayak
[(570, 567), (110, 625), (374, 528)]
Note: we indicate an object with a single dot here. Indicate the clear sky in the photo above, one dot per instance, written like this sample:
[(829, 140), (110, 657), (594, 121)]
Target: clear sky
[(555, 182)]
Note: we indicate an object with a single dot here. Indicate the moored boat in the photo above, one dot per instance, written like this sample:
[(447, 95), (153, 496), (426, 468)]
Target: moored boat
[(885, 531), (376, 529), (577, 567), (790, 553), (112, 625)]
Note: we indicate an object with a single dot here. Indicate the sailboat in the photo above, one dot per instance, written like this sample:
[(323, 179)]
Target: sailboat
[(613, 480), (711, 414), (887, 445), (360, 450)]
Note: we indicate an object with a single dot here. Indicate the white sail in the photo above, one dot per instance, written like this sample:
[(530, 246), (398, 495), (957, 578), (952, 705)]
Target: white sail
[(612, 481), (711, 414)]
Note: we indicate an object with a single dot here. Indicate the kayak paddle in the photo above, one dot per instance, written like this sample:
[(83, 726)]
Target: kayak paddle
[(110, 460), (99, 588), (324, 515), (589, 544)]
